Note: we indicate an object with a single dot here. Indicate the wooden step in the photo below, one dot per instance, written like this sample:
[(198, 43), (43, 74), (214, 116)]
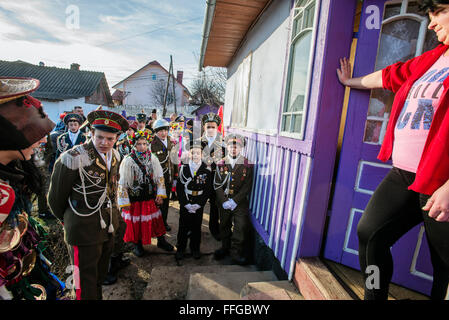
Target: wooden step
[(223, 286), (353, 279), (316, 282), (270, 290)]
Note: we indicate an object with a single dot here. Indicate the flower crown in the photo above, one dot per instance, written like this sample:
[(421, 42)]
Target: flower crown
[(139, 134)]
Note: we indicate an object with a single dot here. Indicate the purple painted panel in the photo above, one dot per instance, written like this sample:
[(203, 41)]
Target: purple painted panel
[(371, 176), (424, 255), (335, 37), (353, 241)]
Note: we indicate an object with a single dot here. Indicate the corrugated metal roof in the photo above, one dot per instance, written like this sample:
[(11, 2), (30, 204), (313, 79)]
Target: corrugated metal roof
[(56, 83)]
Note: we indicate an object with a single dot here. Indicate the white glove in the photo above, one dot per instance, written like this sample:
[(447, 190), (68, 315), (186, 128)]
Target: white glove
[(232, 204), (188, 207), (196, 206), (227, 205)]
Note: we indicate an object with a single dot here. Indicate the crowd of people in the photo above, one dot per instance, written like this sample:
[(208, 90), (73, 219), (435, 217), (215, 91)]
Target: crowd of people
[(109, 180)]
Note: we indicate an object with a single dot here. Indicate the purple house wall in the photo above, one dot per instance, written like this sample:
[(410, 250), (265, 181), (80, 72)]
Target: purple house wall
[(293, 178)]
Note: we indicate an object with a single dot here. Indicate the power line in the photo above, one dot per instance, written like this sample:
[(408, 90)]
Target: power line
[(148, 32)]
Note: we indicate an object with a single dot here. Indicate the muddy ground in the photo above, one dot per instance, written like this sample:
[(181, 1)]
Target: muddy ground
[(156, 275)]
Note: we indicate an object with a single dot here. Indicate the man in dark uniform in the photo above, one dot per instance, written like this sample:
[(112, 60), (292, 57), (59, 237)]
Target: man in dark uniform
[(193, 188), (213, 152), (73, 136), (167, 153), (233, 183), (83, 196)]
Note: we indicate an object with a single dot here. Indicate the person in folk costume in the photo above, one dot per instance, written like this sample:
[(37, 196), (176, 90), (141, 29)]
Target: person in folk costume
[(141, 189), (193, 189), (233, 183), (24, 264), (124, 146), (166, 150), (82, 196), (142, 119), (73, 136), (213, 152)]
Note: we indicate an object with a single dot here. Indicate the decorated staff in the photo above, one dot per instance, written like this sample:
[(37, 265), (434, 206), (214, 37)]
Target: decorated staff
[(24, 264), (83, 196), (232, 183), (165, 150), (73, 136), (141, 187), (213, 152), (193, 189)]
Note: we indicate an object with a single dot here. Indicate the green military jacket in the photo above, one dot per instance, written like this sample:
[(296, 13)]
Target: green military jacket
[(82, 195), (234, 183)]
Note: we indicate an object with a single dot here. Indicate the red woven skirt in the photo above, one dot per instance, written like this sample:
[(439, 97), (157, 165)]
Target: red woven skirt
[(143, 222)]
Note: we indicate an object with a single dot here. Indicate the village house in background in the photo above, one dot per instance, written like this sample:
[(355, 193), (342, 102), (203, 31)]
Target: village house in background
[(61, 89), (314, 144), (145, 89)]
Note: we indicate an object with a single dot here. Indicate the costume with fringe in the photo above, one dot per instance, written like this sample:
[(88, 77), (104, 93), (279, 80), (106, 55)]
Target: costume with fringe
[(141, 180)]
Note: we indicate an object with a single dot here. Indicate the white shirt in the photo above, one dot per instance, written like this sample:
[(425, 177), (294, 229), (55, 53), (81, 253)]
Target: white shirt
[(232, 161), (106, 157), (211, 139), (73, 136), (194, 167), (164, 141)]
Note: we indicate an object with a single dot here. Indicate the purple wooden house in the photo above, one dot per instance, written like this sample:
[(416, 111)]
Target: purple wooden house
[(314, 146)]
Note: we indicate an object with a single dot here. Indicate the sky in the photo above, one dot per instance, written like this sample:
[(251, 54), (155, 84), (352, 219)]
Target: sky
[(116, 37)]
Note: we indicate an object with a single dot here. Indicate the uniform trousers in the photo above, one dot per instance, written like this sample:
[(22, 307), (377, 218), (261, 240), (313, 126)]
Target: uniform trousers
[(189, 226), (235, 228), (91, 265)]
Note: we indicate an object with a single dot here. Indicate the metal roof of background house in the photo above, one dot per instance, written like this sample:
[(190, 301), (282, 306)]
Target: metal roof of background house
[(57, 83)]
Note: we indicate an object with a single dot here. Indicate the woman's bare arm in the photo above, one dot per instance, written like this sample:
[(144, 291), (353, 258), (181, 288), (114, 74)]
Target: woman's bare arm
[(369, 81)]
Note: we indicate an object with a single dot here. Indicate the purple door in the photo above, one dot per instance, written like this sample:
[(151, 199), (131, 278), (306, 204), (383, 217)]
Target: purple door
[(389, 31)]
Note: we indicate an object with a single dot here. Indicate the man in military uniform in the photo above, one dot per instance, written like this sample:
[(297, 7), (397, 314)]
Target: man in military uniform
[(193, 189), (141, 119), (166, 151), (213, 152), (232, 183), (82, 196), (73, 136)]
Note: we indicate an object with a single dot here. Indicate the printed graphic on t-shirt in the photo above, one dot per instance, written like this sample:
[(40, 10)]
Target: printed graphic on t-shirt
[(416, 116)]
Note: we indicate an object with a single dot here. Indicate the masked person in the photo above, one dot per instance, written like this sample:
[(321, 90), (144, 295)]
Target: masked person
[(233, 184), (83, 196), (213, 152), (141, 187), (73, 136), (193, 189), (24, 265), (165, 150)]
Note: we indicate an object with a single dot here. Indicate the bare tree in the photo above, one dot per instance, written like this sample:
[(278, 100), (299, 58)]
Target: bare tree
[(158, 94), (209, 87)]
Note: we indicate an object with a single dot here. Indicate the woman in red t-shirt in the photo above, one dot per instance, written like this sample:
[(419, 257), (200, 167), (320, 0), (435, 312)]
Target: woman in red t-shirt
[(409, 194)]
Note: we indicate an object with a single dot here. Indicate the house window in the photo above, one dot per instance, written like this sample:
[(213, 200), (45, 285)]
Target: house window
[(293, 115), (241, 93), (154, 77)]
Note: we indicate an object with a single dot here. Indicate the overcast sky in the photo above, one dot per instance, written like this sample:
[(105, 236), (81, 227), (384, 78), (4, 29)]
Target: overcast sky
[(116, 37)]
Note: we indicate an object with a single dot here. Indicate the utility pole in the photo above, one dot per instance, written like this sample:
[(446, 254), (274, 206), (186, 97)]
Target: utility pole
[(170, 76)]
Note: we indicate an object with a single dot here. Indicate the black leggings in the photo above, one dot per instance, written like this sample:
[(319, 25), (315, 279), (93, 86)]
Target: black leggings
[(391, 212)]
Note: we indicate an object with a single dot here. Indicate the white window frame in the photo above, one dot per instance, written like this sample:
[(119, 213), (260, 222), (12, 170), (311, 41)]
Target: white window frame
[(424, 21), (297, 11)]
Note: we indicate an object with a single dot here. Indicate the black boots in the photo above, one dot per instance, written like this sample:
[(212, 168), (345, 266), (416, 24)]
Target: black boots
[(138, 249), (115, 264), (163, 244)]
